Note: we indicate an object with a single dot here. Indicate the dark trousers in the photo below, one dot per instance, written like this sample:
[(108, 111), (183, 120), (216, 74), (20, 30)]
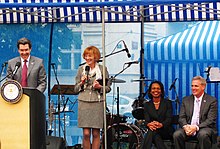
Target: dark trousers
[(204, 137), (155, 137)]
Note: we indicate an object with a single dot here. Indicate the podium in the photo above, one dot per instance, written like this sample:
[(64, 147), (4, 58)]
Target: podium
[(23, 124)]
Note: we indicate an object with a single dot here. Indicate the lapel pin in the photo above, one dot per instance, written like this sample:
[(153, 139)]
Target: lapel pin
[(204, 101)]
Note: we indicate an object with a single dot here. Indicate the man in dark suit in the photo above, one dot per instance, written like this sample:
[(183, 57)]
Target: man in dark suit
[(197, 118), (35, 76)]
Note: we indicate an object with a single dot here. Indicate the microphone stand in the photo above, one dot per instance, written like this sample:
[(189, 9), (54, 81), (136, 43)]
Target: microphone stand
[(73, 104), (2, 70), (176, 100), (3, 66), (6, 77), (118, 120), (107, 55), (59, 93), (113, 78), (124, 68), (64, 104), (208, 73), (64, 116), (117, 101)]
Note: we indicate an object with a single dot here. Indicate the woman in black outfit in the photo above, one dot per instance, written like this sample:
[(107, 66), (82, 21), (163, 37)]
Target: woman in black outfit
[(158, 117)]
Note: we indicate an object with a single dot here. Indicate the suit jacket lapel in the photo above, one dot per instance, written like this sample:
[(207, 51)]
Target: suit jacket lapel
[(19, 69), (153, 109), (30, 65), (203, 102), (191, 105), (161, 107)]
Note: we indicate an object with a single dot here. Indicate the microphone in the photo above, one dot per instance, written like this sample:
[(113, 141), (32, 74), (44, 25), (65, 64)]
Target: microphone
[(17, 65), (53, 65), (126, 49), (208, 69), (4, 64), (133, 62), (87, 73), (173, 84)]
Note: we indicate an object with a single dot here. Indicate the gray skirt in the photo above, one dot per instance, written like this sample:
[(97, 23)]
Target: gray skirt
[(90, 114)]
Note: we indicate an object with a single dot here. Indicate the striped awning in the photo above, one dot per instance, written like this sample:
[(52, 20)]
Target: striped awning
[(184, 55), (79, 11)]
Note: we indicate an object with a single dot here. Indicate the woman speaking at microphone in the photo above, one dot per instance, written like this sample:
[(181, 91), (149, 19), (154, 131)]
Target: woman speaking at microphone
[(90, 100)]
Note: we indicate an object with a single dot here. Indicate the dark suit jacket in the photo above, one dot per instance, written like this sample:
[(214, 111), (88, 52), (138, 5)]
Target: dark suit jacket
[(36, 72), (163, 114), (208, 112)]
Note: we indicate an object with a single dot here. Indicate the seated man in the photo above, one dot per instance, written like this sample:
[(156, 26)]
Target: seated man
[(197, 118)]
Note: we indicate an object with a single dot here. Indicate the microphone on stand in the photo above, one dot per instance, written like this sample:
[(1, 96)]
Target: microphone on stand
[(17, 65), (126, 49), (2, 70), (208, 69), (208, 72), (173, 84), (87, 68), (4, 64), (54, 68), (59, 94), (53, 64), (133, 62)]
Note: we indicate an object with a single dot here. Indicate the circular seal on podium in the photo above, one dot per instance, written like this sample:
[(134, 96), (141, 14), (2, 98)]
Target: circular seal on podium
[(11, 91)]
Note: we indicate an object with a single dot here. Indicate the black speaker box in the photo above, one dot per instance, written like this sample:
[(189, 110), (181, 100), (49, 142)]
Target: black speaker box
[(53, 142)]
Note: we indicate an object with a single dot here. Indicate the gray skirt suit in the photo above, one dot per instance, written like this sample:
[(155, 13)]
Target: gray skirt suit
[(90, 101)]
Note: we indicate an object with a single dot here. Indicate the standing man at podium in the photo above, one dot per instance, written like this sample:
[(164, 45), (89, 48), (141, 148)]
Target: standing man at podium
[(28, 70)]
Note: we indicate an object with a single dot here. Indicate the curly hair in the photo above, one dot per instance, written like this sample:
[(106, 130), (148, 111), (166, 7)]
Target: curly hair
[(161, 87)]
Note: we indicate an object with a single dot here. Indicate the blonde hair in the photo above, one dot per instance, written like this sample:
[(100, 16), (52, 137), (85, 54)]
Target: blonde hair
[(93, 51)]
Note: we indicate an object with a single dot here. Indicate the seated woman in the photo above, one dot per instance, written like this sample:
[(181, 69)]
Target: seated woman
[(158, 117)]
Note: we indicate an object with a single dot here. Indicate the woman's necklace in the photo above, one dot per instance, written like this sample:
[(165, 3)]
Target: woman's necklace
[(157, 103)]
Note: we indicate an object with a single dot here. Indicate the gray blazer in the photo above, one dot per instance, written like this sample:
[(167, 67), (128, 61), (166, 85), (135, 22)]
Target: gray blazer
[(87, 92), (36, 72), (208, 112)]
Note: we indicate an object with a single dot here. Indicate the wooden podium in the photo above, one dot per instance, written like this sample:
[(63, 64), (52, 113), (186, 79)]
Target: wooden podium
[(23, 124)]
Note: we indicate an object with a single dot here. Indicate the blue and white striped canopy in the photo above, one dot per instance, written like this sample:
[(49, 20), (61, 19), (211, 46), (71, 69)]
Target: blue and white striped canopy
[(184, 55), (38, 11)]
